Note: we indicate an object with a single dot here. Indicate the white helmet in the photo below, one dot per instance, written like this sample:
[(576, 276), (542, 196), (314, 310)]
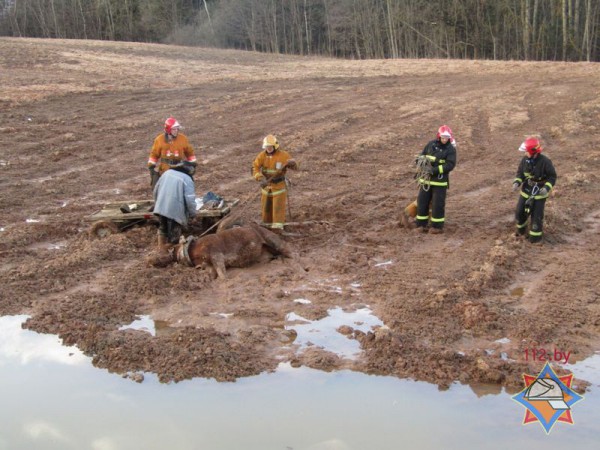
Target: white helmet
[(270, 141)]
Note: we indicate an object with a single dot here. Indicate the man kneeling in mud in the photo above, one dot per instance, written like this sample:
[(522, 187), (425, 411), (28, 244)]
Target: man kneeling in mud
[(175, 203)]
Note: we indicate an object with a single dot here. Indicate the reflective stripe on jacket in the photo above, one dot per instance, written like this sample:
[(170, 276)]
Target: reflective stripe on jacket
[(535, 171), (270, 166), (443, 160), (165, 153)]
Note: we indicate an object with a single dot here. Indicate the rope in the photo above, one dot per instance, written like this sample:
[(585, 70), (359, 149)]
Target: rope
[(377, 205), (240, 207), (423, 172)]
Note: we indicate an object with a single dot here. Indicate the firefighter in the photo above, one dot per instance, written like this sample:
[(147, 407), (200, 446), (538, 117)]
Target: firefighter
[(407, 217), (536, 177), (175, 202), (441, 155), (269, 168), (169, 149)]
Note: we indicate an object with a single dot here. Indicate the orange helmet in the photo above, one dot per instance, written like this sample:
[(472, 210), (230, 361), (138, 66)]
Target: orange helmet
[(444, 131), (171, 123), (531, 145)]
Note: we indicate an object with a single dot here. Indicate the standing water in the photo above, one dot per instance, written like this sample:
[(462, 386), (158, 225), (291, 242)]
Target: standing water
[(53, 398)]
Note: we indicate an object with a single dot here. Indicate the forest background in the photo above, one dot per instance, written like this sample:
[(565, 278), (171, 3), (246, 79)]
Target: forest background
[(567, 30)]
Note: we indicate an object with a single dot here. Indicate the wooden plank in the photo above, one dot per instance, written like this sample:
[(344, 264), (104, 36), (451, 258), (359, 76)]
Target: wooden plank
[(111, 211)]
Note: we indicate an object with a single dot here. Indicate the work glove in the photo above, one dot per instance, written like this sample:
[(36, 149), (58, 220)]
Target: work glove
[(291, 164), (428, 170), (516, 186), (264, 183), (543, 191), (153, 175)]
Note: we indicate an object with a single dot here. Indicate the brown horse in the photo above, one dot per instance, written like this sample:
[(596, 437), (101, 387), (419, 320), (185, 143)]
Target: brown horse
[(234, 247), (240, 246)]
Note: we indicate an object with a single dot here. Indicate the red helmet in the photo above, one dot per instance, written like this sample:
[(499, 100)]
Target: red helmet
[(171, 123), (445, 131), (531, 146)]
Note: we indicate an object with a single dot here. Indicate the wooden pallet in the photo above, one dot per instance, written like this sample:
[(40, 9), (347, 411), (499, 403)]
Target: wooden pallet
[(111, 218)]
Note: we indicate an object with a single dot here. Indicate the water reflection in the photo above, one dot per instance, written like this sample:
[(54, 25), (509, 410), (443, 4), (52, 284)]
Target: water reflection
[(324, 333), (146, 324), (48, 403), (142, 323), (588, 369), (26, 347)]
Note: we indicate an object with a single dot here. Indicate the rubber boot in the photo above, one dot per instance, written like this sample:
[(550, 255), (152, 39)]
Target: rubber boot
[(163, 243)]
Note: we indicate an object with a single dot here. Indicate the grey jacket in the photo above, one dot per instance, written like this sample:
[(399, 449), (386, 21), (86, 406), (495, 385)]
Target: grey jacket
[(175, 197)]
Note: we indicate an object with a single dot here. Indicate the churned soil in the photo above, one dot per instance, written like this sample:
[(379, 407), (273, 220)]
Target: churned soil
[(77, 119)]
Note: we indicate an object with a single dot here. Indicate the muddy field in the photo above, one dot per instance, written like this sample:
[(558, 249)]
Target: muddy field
[(77, 120)]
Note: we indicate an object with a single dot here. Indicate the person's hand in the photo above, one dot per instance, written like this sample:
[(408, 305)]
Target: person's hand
[(515, 186), (291, 164), (543, 191), (264, 182), (428, 170)]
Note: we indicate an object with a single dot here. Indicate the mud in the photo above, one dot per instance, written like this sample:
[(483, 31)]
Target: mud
[(77, 119)]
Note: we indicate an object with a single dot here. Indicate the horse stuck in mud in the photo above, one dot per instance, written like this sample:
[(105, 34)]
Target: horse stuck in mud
[(239, 246)]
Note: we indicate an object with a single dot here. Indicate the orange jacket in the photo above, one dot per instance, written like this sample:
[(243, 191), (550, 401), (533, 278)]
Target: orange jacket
[(164, 153), (270, 166)]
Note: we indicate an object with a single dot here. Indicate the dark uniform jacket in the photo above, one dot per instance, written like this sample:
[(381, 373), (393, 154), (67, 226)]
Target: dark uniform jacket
[(443, 160), (535, 172)]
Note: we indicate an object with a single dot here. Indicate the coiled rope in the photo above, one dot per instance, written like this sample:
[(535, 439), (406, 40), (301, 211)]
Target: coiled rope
[(423, 170)]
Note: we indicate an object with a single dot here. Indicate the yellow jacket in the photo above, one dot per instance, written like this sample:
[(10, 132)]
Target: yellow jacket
[(164, 153), (272, 167)]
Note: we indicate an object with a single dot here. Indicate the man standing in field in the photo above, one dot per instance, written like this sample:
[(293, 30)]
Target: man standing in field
[(169, 149), (441, 156), (536, 177), (407, 217), (269, 169)]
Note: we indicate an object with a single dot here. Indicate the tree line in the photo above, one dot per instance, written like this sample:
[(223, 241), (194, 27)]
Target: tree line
[(567, 30)]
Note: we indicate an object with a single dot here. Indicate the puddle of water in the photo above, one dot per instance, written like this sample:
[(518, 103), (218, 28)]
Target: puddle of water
[(142, 323), (48, 245), (588, 369), (302, 301), (162, 328), (147, 324), (385, 263), (517, 292), (323, 333), (222, 315), (50, 403), (27, 347)]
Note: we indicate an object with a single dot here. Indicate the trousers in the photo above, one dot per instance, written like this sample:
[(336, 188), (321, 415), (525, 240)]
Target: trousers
[(536, 211), (436, 195)]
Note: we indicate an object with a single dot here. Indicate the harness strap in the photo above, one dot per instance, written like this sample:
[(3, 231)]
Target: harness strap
[(183, 255)]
